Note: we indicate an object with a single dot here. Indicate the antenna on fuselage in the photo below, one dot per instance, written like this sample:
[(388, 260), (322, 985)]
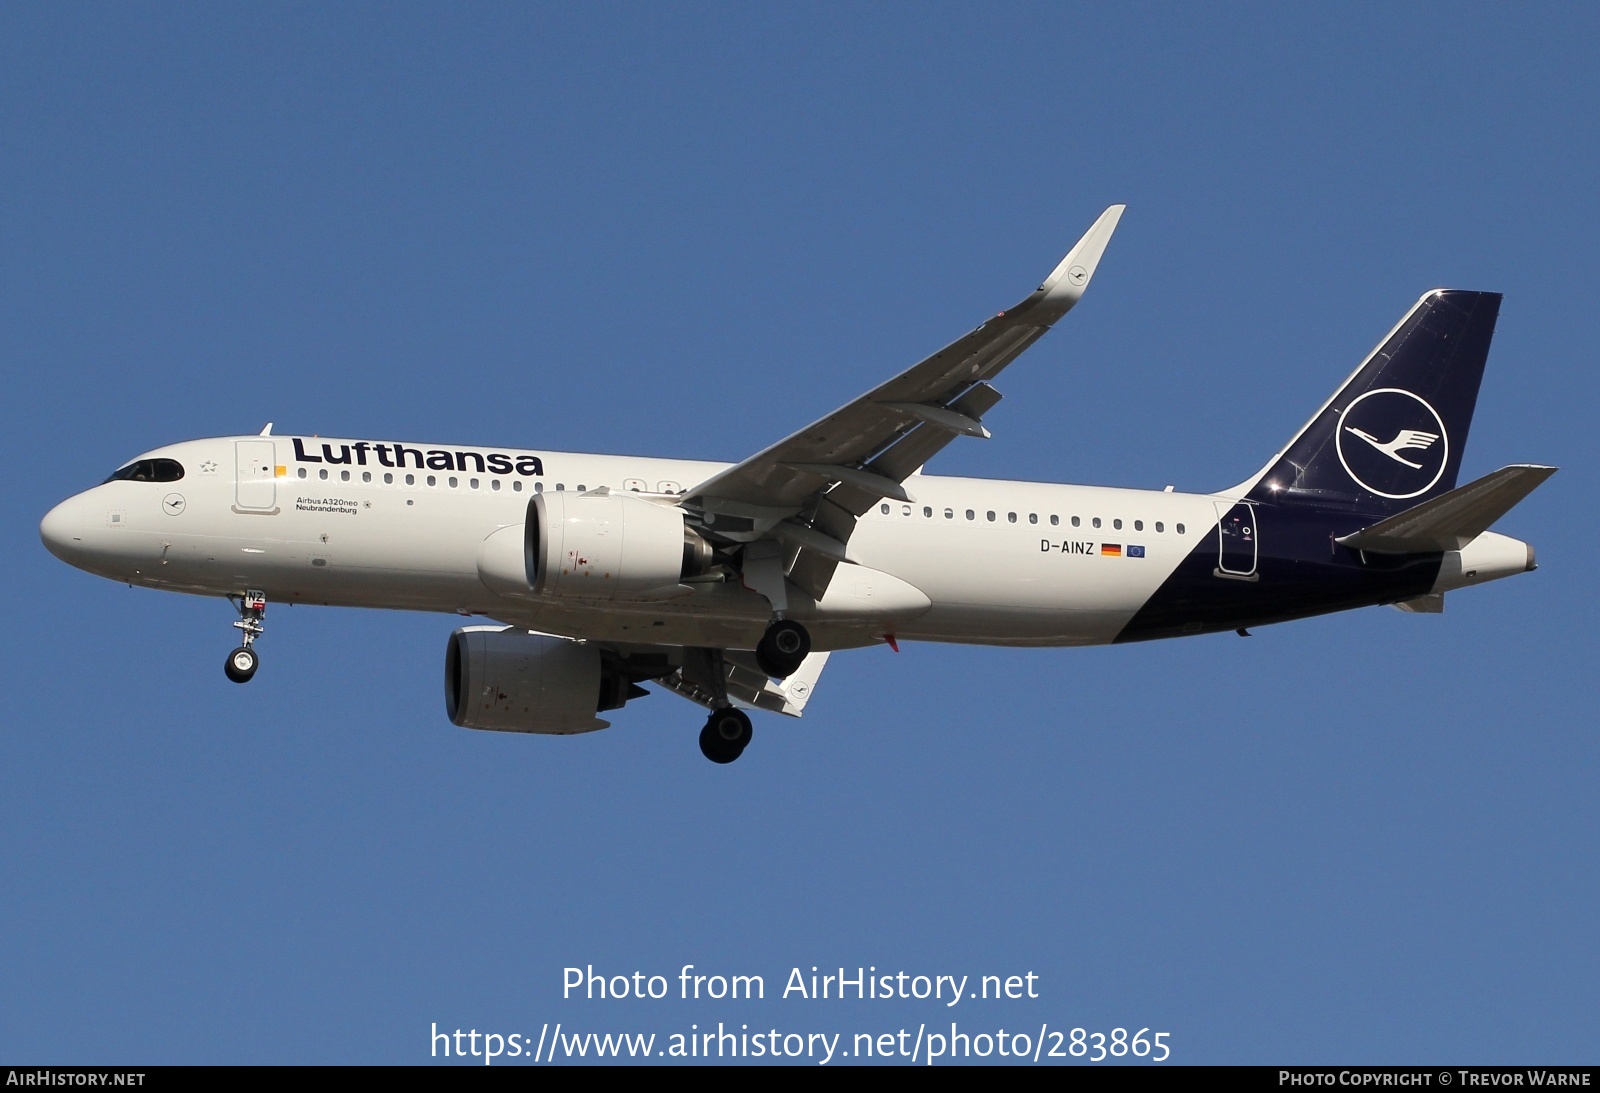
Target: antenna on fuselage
[(267, 431)]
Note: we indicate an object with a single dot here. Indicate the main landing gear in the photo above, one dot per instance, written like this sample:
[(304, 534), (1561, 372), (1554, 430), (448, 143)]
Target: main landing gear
[(780, 652), (782, 648), (242, 662), (726, 735)]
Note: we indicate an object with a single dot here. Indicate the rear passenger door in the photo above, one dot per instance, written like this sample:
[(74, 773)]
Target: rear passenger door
[(1237, 540)]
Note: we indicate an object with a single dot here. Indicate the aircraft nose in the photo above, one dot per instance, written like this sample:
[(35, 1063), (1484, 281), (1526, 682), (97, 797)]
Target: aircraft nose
[(62, 530)]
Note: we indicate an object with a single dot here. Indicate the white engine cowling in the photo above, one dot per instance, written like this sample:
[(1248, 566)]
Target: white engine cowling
[(513, 680), (608, 546)]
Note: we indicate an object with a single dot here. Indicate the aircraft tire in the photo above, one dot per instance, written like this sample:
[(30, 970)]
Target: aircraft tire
[(726, 734), (716, 749), (241, 664), (781, 649)]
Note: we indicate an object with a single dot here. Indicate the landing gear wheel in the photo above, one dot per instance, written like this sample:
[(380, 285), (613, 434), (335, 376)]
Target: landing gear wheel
[(241, 664), (782, 648), (726, 735), (252, 608)]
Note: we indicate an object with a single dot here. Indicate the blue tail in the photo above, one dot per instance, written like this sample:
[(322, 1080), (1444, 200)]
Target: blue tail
[(1393, 435)]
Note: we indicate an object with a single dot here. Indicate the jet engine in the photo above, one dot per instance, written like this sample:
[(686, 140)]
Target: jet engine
[(608, 546), (513, 680)]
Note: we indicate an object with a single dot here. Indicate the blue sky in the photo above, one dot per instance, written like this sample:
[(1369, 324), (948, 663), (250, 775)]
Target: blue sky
[(687, 231)]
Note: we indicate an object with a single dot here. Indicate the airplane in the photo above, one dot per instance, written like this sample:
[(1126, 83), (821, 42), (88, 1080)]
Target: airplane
[(730, 585)]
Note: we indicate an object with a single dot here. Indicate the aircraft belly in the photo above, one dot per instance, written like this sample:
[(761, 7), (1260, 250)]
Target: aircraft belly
[(628, 625), (972, 624), (670, 624)]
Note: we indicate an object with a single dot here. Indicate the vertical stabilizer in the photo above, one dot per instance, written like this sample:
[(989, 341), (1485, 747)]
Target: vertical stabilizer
[(1394, 434)]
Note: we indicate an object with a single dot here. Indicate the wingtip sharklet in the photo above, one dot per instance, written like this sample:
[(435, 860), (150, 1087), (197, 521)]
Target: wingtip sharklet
[(1067, 282)]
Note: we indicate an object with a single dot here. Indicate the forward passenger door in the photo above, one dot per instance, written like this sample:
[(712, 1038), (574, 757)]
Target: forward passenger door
[(256, 483)]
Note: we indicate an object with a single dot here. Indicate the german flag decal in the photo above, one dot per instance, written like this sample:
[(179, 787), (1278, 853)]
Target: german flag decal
[(1111, 550)]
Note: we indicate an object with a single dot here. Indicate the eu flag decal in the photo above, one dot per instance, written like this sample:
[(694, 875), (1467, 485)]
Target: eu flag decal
[(1135, 551)]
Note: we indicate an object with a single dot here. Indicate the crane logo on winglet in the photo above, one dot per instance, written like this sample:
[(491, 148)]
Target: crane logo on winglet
[(1407, 465)]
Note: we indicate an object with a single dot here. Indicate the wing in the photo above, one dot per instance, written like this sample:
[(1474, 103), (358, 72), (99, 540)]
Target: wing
[(808, 489)]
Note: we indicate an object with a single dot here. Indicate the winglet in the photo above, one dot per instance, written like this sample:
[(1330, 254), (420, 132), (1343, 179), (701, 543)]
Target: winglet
[(1066, 284), (797, 688)]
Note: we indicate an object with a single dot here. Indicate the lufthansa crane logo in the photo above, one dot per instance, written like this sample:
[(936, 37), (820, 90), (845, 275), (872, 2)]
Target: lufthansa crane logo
[(1393, 443)]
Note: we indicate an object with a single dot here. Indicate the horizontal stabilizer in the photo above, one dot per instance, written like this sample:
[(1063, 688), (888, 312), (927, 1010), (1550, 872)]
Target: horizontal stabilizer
[(1451, 520)]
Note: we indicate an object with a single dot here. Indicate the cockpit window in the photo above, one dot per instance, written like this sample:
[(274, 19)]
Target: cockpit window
[(149, 470)]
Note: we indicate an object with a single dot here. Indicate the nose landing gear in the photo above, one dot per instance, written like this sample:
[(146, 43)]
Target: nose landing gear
[(726, 735), (242, 662)]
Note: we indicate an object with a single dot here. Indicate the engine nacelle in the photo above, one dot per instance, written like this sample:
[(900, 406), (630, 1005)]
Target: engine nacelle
[(608, 546), (513, 680)]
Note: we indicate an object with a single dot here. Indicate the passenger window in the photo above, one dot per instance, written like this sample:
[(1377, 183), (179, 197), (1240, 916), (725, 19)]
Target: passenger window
[(473, 482), (411, 480), (581, 487), (1011, 517), (971, 515), (494, 483), (560, 488), (388, 479), (1138, 525), (1075, 521), (1033, 517), (884, 509), (366, 476), (453, 482), (344, 476), (323, 474), (905, 510), (949, 514), (1095, 521), (302, 472), (1179, 527), (1159, 527), (927, 511), (1117, 524), (1054, 519), (432, 481), (516, 485), (991, 516)]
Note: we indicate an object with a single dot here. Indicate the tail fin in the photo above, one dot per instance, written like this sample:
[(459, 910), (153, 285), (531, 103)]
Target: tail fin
[(1393, 435)]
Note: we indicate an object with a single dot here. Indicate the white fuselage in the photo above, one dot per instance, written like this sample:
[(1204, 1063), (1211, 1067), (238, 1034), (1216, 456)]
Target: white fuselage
[(969, 560)]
